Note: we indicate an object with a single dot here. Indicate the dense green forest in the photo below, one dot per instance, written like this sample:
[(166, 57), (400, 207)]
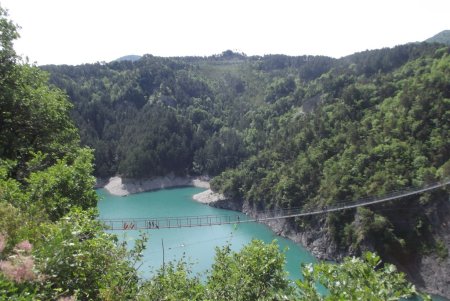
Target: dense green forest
[(283, 132), (182, 115), (52, 247), (204, 115)]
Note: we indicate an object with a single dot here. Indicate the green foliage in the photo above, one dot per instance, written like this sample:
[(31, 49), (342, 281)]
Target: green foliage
[(12, 291), (355, 279), (254, 273), (8, 34), (371, 133), (441, 249), (10, 222), (282, 131), (173, 282), (162, 143), (124, 109), (34, 119), (46, 196), (280, 88), (50, 192), (81, 259), (72, 257), (65, 184), (224, 149)]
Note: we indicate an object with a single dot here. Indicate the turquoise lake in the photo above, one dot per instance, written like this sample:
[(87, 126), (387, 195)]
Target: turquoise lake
[(197, 245)]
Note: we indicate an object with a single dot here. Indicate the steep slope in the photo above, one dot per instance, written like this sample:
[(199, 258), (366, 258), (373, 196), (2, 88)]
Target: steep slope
[(368, 136)]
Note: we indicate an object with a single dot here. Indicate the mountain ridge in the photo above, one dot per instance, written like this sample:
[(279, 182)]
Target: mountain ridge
[(442, 37), (130, 57)]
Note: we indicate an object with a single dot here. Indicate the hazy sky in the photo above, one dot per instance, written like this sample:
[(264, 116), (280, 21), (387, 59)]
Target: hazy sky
[(85, 31)]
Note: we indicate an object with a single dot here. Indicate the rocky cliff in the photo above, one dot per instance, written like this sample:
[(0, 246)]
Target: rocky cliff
[(429, 272)]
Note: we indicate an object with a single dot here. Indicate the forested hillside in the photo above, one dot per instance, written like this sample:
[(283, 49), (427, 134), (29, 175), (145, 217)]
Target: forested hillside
[(283, 121), (284, 132), (203, 115), (181, 115), (374, 132)]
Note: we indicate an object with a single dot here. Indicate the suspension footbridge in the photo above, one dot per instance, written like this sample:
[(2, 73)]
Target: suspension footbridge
[(152, 223)]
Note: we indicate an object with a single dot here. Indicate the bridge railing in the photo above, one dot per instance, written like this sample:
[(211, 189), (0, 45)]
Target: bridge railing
[(173, 222), (210, 220)]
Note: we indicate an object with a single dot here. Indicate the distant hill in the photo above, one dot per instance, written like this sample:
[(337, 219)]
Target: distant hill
[(128, 58), (443, 37)]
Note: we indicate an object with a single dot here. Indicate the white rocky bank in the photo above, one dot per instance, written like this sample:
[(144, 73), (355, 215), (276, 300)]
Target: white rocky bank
[(208, 196), (123, 186)]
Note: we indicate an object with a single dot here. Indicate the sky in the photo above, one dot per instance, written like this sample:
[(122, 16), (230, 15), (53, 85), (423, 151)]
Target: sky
[(87, 31)]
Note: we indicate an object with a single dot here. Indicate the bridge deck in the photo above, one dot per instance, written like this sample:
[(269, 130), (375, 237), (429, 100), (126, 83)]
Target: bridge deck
[(174, 222)]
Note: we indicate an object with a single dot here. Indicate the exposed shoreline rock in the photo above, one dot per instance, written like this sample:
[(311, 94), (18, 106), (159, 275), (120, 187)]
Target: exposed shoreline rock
[(124, 186), (208, 197), (429, 274)]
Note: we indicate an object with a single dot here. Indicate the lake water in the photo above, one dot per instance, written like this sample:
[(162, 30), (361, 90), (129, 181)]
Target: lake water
[(197, 245)]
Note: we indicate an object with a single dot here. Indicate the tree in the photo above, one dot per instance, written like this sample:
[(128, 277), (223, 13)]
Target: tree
[(51, 246), (254, 273), (67, 183), (8, 34), (355, 279), (81, 259), (173, 282)]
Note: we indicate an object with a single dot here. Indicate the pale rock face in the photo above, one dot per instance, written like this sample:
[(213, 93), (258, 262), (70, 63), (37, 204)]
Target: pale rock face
[(122, 187), (208, 196)]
